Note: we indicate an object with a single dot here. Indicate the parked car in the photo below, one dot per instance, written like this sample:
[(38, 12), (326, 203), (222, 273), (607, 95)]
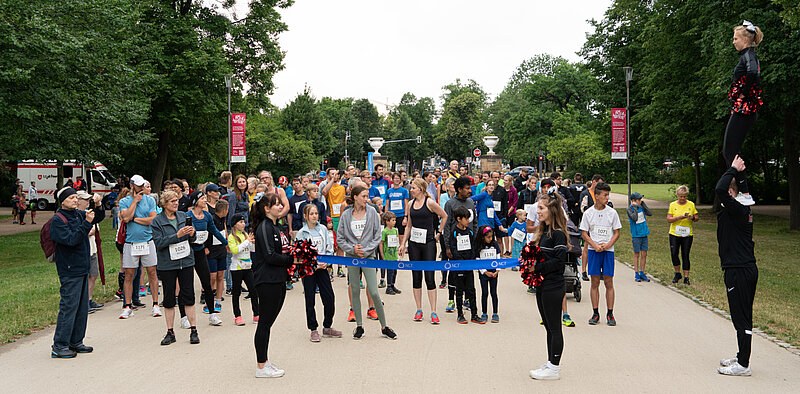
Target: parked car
[(516, 170)]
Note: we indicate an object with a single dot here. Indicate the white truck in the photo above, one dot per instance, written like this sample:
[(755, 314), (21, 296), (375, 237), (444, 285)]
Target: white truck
[(97, 177)]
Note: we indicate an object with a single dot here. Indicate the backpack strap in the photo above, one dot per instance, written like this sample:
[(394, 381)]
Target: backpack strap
[(62, 217)]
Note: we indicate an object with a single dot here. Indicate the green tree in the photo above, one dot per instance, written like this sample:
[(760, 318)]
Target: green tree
[(461, 125), (305, 119), (272, 146)]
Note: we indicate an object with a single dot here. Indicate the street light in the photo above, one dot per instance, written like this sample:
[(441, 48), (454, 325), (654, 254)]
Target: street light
[(228, 85), (628, 78)]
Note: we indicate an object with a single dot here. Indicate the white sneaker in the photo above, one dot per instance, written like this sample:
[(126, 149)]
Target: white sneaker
[(126, 313), (727, 362), (745, 199), (548, 372), (185, 323), (269, 371), (735, 369), (156, 311), (214, 320)]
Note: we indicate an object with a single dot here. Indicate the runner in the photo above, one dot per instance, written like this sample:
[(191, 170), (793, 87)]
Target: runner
[(241, 245), (500, 205), (204, 228), (396, 202), (485, 208), (381, 182), (238, 200), (681, 215), (295, 216), (486, 248), (422, 238)]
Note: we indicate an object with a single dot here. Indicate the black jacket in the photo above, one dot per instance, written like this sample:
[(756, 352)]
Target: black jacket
[(72, 241), (501, 195), (554, 248), (734, 227), (269, 262), (468, 254), (526, 196)]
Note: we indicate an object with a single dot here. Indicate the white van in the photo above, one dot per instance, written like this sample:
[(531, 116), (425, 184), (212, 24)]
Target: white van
[(97, 177)]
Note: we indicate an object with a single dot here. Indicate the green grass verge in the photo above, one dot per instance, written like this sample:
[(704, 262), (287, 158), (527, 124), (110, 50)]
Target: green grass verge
[(777, 305), (660, 192), (30, 287)]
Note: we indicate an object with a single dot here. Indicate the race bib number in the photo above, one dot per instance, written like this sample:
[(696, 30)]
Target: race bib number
[(490, 213), (640, 218), (683, 231), (497, 205), (463, 243), (396, 205), (382, 189), (601, 234), (216, 241), (140, 249), (418, 235), (316, 241), (179, 250), (244, 252), (518, 235), (357, 226), (297, 207), (201, 237), (488, 254), (471, 216), (337, 209), (392, 241)]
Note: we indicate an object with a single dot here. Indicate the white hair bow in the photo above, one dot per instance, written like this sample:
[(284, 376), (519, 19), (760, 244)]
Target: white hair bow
[(749, 26)]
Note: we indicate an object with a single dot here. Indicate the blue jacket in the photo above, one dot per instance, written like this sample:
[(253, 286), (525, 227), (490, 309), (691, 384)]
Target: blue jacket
[(205, 224), (641, 229), (72, 241), (483, 201)]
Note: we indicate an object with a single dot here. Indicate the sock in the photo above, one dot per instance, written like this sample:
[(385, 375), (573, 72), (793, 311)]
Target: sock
[(155, 303), (194, 328), (127, 306), (596, 312), (170, 331), (553, 366), (610, 312)]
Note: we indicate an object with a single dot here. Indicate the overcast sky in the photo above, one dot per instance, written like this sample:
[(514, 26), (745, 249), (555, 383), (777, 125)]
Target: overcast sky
[(378, 49)]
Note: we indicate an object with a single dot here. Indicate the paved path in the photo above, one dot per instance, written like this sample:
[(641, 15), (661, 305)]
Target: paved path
[(664, 343)]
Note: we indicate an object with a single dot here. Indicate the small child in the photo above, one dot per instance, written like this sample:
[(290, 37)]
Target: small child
[(390, 242), (637, 215), (378, 205), (486, 248), (463, 281), (518, 232), (240, 245)]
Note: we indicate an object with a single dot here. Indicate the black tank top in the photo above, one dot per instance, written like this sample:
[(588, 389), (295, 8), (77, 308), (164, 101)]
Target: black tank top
[(424, 218)]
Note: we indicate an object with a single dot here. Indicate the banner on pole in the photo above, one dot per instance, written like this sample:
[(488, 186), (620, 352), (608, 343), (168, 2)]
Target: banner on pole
[(619, 133), (238, 150), (370, 161)]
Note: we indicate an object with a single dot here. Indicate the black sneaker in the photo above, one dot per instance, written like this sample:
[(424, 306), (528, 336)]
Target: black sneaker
[(388, 333), (194, 338), (228, 292), (686, 281), (676, 278), (611, 321), (461, 319), (94, 305), (396, 290), (585, 277), (170, 339), (594, 320), (358, 333), (137, 304), (390, 291), (63, 353), (476, 319), (81, 349)]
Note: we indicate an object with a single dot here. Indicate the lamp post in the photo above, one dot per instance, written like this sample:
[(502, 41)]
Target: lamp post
[(628, 78), (346, 139), (228, 83)]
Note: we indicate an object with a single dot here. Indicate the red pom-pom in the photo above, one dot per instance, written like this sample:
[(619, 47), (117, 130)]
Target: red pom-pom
[(305, 253), (529, 257)]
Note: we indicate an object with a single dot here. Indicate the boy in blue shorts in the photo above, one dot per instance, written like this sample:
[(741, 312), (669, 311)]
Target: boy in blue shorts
[(600, 230), (637, 216)]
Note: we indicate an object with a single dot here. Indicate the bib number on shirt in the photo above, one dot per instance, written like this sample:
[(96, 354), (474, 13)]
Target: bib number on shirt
[(201, 237), (463, 243), (490, 213), (337, 209), (601, 234), (418, 235), (488, 254), (382, 189), (396, 205), (683, 231), (297, 207), (179, 250), (392, 241), (640, 218), (518, 235), (497, 205), (358, 227), (316, 241), (216, 241), (140, 249)]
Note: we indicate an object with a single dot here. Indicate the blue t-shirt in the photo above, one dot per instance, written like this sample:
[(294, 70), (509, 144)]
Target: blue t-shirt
[(397, 194), (641, 229), (382, 184), (136, 232), (518, 226), (374, 192)]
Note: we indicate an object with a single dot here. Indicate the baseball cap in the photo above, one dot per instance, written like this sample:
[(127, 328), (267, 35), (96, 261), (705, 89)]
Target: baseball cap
[(212, 187), (547, 181), (83, 195), (636, 196), (323, 174), (137, 180)]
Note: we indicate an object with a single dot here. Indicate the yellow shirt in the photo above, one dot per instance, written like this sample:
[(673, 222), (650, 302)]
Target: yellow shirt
[(335, 198), (678, 227)]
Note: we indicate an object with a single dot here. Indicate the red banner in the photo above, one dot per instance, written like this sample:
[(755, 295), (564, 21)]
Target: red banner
[(238, 150), (619, 133)]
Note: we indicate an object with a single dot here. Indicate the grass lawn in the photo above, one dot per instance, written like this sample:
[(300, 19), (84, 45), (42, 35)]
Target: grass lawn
[(777, 304), (30, 287), (651, 191)]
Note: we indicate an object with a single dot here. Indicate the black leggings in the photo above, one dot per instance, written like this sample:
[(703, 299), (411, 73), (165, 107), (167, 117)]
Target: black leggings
[(488, 285), (237, 276), (271, 297), (201, 267), (735, 133), (319, 280), (549, 303), (426, 252), (680, 246), (741, 284), (185, 277)]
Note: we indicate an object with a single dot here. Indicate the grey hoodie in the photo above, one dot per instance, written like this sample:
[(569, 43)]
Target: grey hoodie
[(325, 245), (369, 240)]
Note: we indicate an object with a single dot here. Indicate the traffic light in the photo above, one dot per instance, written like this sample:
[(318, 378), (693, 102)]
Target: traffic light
[(325, 162)]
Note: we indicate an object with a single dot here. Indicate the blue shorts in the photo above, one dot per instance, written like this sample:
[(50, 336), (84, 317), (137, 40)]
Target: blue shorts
[(600, 263), (216, 265), (639, 244)]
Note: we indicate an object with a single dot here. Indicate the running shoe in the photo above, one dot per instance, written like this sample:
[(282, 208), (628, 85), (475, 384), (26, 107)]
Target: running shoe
[(475, 319), (119, 296), (255, 319), (217, 307), (214, 320), (547, 372), (358, 333), (228, 292), (396, 290), (735, 369), (194, 339), (388, 333), (451, 306), (676, 278), (142, 291), (515, 268), (94, 305), (205, 310), (466, 304), (495, 318), (137, 304), (745, 199), (168, 339), (727, 362), (63, 353), (372, 314), (484, 318), (390, 290), (238, 321), (442, 285), (637, 276), (269, 371), (585, 277), (531, 290), (686, 281), (434, 318), (461, 320), (351, 317), (315, 336), (156, 311), (611, 321), (382, 284), (185, 323), (418, 315), (644, 277), (340, 273), (331, 333), (126, 313), (289, 285), (567, 321), (361, 284), (594, 320)]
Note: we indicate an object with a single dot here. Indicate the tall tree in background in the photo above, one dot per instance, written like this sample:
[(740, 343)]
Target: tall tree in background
[(305, 120)]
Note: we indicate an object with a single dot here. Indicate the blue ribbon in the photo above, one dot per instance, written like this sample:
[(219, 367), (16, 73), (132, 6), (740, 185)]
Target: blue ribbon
[(446, 265)]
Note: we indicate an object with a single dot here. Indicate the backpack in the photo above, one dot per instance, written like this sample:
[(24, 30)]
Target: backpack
[(122, 232), (48, 246)]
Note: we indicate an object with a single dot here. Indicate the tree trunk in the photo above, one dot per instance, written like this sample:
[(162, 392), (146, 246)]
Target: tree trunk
[(161, 161), (59, 176), (792, 149), (699, 191)]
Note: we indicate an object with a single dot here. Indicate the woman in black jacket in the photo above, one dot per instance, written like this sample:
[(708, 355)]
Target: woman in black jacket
[(270, 261), (551, 236)]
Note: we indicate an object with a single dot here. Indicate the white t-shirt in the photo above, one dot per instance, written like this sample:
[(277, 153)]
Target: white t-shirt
[(600, 224), (533, 216)]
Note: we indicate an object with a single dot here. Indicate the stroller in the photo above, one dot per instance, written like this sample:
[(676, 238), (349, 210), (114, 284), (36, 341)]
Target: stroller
[(572, 276)]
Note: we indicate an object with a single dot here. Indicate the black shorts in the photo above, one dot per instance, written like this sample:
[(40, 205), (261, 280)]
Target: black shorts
[(462, 279)]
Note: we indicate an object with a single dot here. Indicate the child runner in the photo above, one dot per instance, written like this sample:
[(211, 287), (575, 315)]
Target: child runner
[(320, 281), (390, 241), (240, 245), (518, 232), (486, 248), (681, 215), (461, 248), (600, 230), (637, 216)]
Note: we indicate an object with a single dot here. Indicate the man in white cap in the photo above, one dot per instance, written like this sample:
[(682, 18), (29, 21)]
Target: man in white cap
[(138, 212)]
